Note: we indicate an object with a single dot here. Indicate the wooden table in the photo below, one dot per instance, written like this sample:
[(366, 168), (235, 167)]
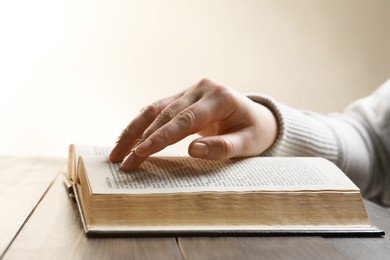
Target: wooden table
[(39, 221)]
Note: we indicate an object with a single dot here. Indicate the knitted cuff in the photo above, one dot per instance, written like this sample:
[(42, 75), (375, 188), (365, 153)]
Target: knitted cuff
[(300, 133)]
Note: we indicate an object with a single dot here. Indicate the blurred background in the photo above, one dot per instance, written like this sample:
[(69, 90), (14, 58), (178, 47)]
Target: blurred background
[(78, 71)]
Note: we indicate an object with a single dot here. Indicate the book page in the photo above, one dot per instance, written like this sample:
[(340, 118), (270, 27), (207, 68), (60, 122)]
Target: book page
[(167, 174), (91, 150), (104, 150), (77, 150)]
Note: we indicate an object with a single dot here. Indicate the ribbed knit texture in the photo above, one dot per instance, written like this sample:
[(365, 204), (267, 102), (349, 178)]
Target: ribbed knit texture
[(301, 133), (357, 140)]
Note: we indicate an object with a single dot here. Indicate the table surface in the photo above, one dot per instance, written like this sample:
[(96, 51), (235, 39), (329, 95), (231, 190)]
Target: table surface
[(39, 221)]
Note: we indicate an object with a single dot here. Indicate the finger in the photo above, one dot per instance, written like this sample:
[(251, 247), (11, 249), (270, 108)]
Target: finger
[(129, 137), (136, 127), (131, 162), (189, 121), (221, 147), (169, 113), (204, 90)]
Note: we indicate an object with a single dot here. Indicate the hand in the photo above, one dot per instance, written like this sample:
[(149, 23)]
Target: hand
[(231, 124)]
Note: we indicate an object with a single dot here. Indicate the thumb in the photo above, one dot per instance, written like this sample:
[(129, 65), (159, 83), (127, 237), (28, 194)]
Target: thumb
[(221, 147)]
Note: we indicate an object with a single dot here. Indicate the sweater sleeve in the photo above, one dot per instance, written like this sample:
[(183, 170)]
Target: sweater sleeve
[(357, 140)]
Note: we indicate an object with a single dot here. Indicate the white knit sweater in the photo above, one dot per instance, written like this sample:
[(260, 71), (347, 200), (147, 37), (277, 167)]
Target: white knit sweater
[(357, 140)]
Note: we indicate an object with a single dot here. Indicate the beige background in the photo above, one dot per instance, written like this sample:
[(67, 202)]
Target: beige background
[(78, 71)]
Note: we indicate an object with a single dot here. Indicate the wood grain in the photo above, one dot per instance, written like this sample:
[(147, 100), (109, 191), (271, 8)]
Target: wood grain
[(294, 247), (54, 231), (368, 248), (258, 248), (23, 182)]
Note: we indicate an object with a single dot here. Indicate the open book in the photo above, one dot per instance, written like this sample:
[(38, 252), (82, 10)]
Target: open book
[(180, 195)]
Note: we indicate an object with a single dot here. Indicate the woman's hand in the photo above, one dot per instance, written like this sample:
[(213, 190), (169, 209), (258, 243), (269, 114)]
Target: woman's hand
[(231, 125)]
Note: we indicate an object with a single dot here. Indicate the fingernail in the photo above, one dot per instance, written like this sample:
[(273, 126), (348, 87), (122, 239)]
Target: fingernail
[(128, 161), (114, 153), (143, 146), (199, 150)]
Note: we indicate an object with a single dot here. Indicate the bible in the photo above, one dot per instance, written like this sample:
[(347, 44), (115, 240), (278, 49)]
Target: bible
[(178, 195)]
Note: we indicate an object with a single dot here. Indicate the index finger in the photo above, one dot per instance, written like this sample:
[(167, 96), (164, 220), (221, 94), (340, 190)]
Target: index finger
[(176, 129), (189, 121), (134, 130)]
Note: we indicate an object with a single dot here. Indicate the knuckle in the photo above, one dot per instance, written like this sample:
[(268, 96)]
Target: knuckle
[(214, 90), (166, 115), (150, 111), (124, 136), (221, 93), (222, 149), (163, 136), (203, 85), (204, 81), (185, 119), (228, 148)]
